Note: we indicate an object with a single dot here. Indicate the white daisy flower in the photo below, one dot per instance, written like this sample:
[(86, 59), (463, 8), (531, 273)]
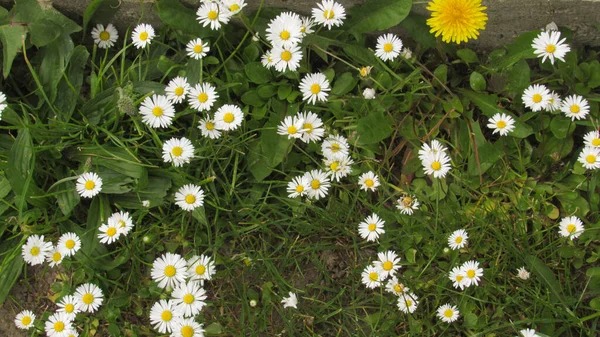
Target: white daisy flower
[(592, 138), (458, 239), (590, 157), (55, 257), (105, 37), (177, 89), (210, 13), (407, 302), (571, 227), (547, 45), (202, 96), (427, 150), (575, 107), (536, 97), (157, 111), (371, 227), (528, 333), (456, 277), (368, 181), (448, 313), (24, 320), (89, 297), (163, 314), (388, 47), (234, 6), (338, 168), (522, 273), (291, 127), (197, 49), (3, 104), (290, 302), (502, 124), (306, 27), (388, 262), (369, 93), (35, 250), (187, 327), (314, 87), (228, 117), (286, 58), (72, 333), (58, 325), (69, 244), (200, 268), (208, 129), (189, 197), (169, 270), (395, 287), (88, 184), (335, 147), (554, 102), (407, 204), (319, 184), (189, 297), (178, 151), (329, 13), (122, 221), (471, 273), (142, 35), (109, 232), (437, 165), (284, 30), (267, 60), (372, 277), (69, 305), (313, 127), (299, 186)]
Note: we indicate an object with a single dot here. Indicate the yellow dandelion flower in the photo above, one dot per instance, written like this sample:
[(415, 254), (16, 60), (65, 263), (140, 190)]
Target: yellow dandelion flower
[(456, 20)]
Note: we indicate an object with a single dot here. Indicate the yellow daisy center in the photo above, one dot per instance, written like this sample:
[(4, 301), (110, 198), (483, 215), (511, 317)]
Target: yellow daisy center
[(35, 251), (575, 108), (143, 36), (470, 273), (203, 97), (59, 326), (157, 111), (459, 278), (364, 71), (398, 288), (436, 165), (458, 240), (550, 48), (121, 223), (387, 266), (501, 124), (590, 158), (200, 269), (456, 20), (407, 201), (89, 185), (111, 231), (286, 55), (448, 313), (369, 182), (210, 126), (388, 47), (373, 276), (302, 29), (234, 7), (408, 303), (308, 127), (198, 48), (166, 316), (212, 15), (372, 227), (170, 271), (70, 244), (56, 257), (178, 91), (177, 151), (104, 36), (228, 118), (335, 147), (187, 331), (292, 130), (334, 166), (284, 35), (537, 98), (69, 308), (88, 298), (188, 299), (328, 14), (596, 142), (315, 89), (315, 184), (299, 188), (571, 228), (26, 320), (190, 199)]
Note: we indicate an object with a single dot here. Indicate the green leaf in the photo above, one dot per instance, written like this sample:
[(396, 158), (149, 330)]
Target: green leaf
[(374, 128), (12, 41), (545, 275), (257, 73), (100, 11), (115, 158), (252, 98), (477, 81), (10, 270), (488, 104), (148, 87), (519, 78), (70, 87), (344, 84), (27, 11), (43, 32), (417, 28), (284, 91), (377, 15), (213, 329), (54, 61), (67, 197), (441, 72), (467, 55), (179, 17), (561, 127), (266, 91)]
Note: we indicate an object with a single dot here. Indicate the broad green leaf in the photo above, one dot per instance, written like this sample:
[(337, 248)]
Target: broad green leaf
[(12, 40), (364, 56), (99, 11), (43, 32), (519, 50), (377, 15), (67, 26), (467, 55), (115, 158), (519, 78), (545, 276), (252, 98), (149, 87), (488, 104), (179, 17), (27, 11), (477, 81), (10, 270), (266, 91), (257, 73), (54, 60), (213, 329), (561, 127), (344, 84), (67, 197), (374, 128), (70, 87), (417, 28), (283, 91), (489, 154), (441, 73)]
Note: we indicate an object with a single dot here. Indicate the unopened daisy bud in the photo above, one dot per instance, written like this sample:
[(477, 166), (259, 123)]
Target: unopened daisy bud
[(406, 53), (146, 239), (522, 273), (369, 93), (253, 303), (551, 26), (256, 37)]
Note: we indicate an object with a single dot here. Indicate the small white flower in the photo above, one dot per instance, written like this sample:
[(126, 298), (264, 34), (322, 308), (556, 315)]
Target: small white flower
[(105, 37), (24, 320), (189, 297), (208, 129), (448, 313), (571, 227), (69, 305), (123, 221), (388, 47), (395, 287), (529, 333), (388, 263), (306, 27), (371, 227), (109, 232), (211, 13), (437, 165), (58, 325), (554, 102), (407, 204), (314, 87), (267, 60), (456, 277), (286, 58), (202, 96), (406, 53), (298, 187), (88, 184), (313, 127), (197, 49), (551, 26), (55, 257), (162, 315), (536, 97), (187, 327), (590, 157), (3, 104), (157, 111), (471, 273), (365, 71), (291, 127), (177, 89), (372, 277), (169, 270), (407, 302), (228, 117), (523, 274), (89, 297), (291, 301), (547, 45), (575, 107), (335, 147), (502, 124), (329, 13), (234, 6), (338, 168), (284, 30), (427, 150), (178, 151), (369, 93), (142, 35), (200, 268), (35, 250), (189, 197), (592, 138), (458, 239), (69, 243), (319, 184), (368, 181)]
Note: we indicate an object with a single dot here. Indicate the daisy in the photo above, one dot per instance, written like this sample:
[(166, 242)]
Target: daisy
[(458, 239), (284, 30), (471, 273), (35, 250), (298, 187), (178, 151), (109, 232), (369, 93), (407, 302), (187, 327), (536, 97), (329, 13), (210, 13), (571, 227), (163, 314), (157, 111), (448, 313), (501, 123), (529, 333), (372, 277), (169, 270), (368, 181), (437, 165), (388, 47), (202, 96), (142, 35), (554, 102), (388, 263), (592, 138), (456, 277), (189, 297), (456, 20), (291, 127), (228, 117), (55, 256), (88, 184), (395, 287), (286, 58), (72, 333), (189, 197), (200, 268), (338, 168), (318, 185), (58, 325), (314, 87), (105, 37), (590, 157), (122, 221), (3, 104), (69, 305), (24, 320), (523, 274), (365, 71), (427, 150), (313, 127), (234, 6), (207, 128), (290, 302), (335, 147), (407, 204), (306, 27), (197, 49), (89, 297), (371, 227), (267, 60), (575, 106), (177, 89), (547, 45)]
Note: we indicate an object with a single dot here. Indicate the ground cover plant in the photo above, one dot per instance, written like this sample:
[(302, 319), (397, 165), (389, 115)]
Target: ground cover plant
[(263, 173)]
